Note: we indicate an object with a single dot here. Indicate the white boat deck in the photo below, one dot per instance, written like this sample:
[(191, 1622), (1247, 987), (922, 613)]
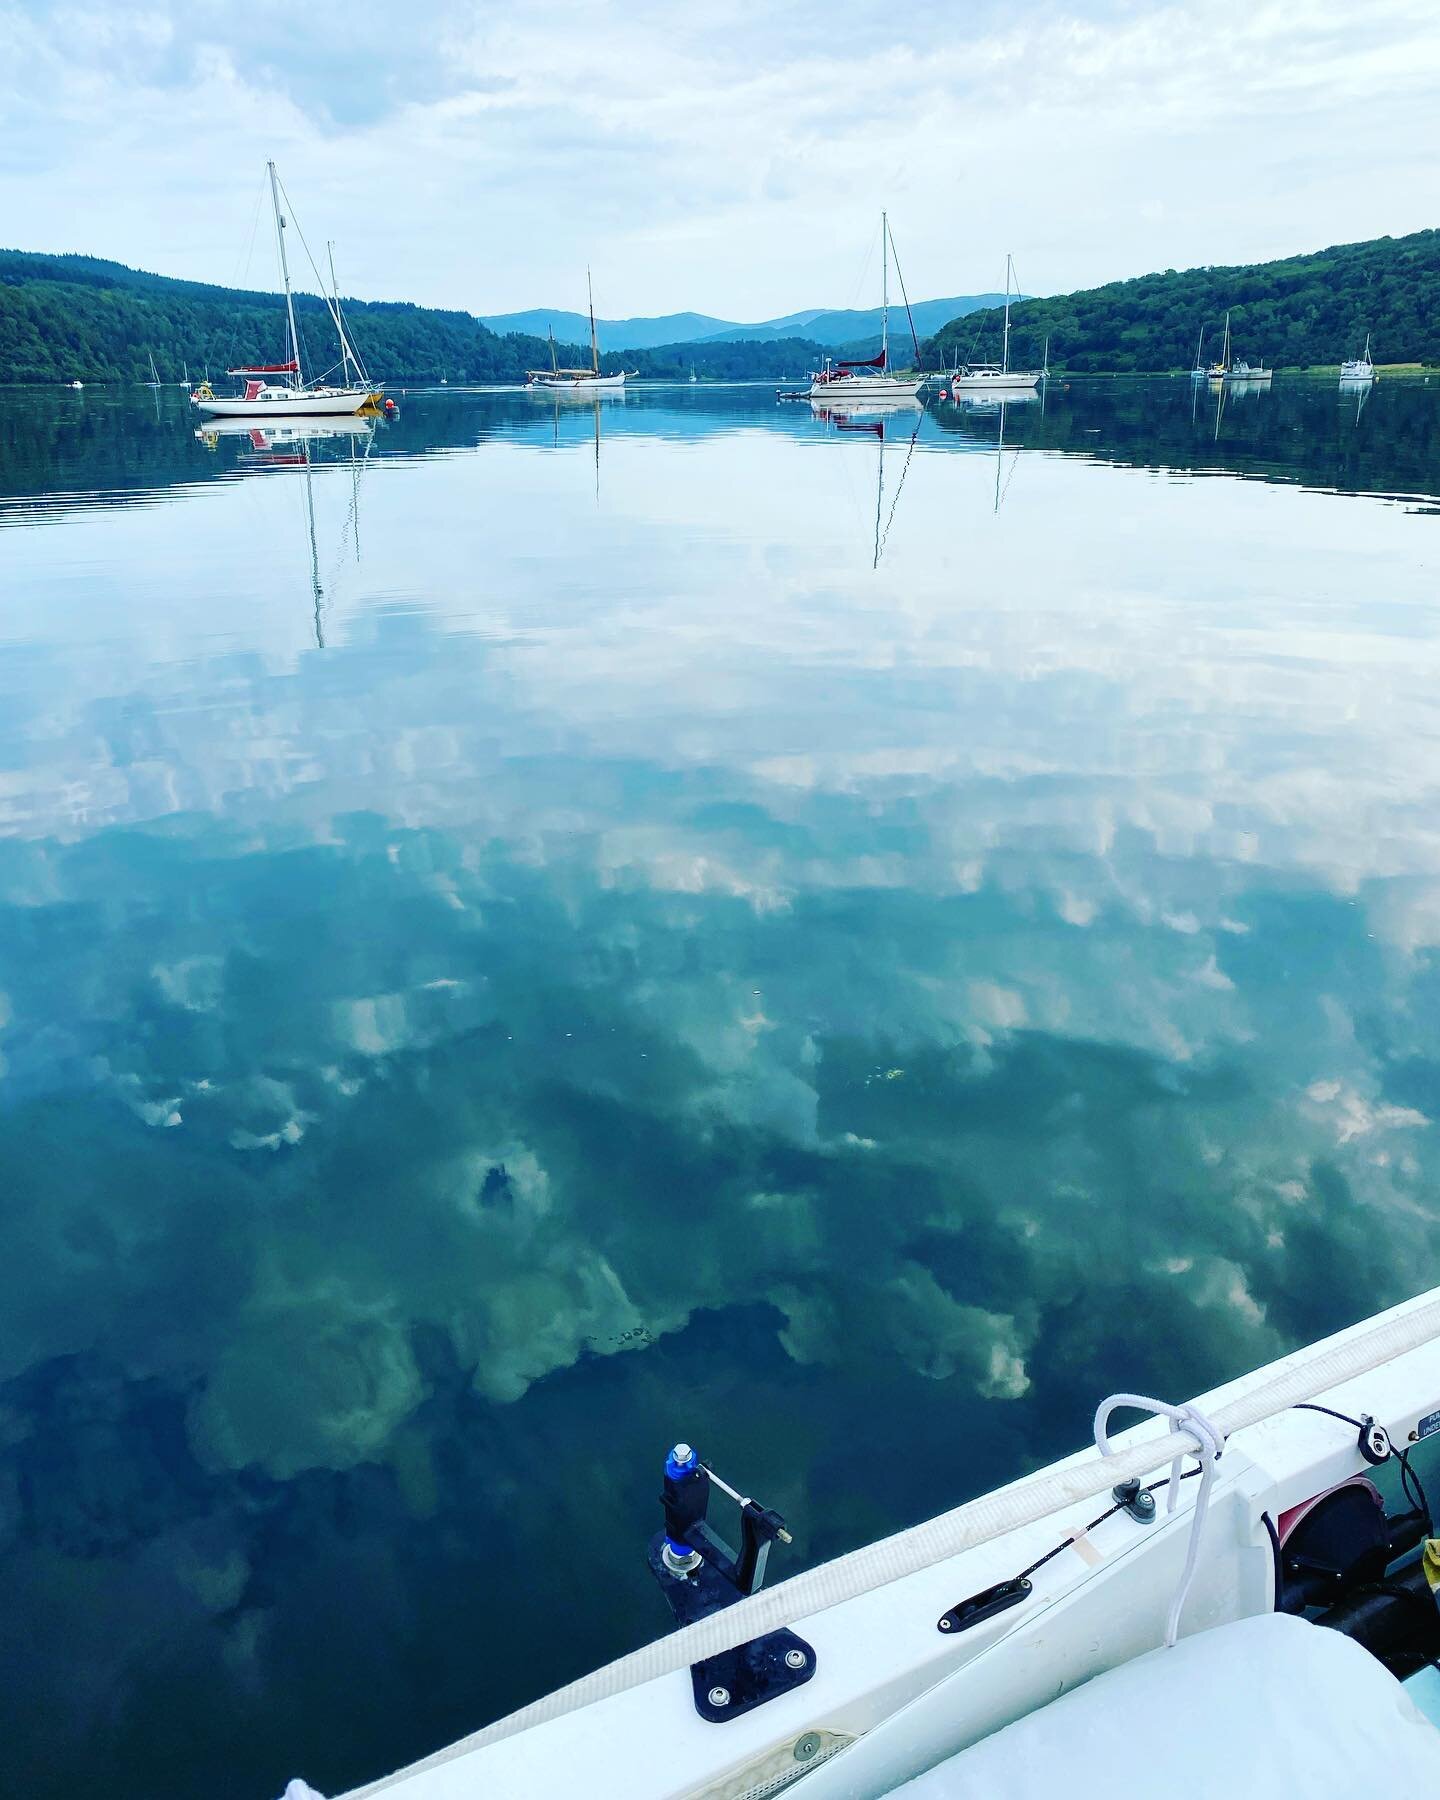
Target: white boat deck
[(895, 1694)]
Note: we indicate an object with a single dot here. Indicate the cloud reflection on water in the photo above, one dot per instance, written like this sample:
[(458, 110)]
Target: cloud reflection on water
[(662, 975)]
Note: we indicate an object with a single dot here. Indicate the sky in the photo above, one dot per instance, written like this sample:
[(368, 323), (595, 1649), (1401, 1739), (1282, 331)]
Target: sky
[(732, 159)]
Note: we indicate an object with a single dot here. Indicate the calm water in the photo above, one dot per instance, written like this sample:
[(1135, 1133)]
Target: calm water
[(518, 945)]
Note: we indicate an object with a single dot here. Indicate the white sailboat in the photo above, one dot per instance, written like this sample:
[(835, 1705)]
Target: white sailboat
[(279, 390), (869, 380), (590, 380), (992, 378), (1359, 368)]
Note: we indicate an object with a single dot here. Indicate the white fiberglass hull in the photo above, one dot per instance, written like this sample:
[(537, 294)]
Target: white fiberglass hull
[(1357, 372), (845, 388), (579, 384), (1012, 381), (892, 1694), (333, 401)]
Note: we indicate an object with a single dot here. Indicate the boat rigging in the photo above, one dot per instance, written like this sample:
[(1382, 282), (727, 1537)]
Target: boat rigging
[(280, 390)]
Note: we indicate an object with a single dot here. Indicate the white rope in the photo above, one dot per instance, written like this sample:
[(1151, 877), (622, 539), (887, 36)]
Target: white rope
[(1211, 1442), (1303, 1376)]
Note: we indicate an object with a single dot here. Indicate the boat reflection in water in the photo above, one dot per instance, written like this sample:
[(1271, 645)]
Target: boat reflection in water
[(991, 403), (299, 444), (871, 417)]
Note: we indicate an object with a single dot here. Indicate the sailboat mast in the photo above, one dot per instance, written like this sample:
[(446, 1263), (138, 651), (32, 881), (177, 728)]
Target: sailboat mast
[(594, 341), (1225, 346), (347, 355), (554, 361), (884, 291), (285, 273), (1005, 354)]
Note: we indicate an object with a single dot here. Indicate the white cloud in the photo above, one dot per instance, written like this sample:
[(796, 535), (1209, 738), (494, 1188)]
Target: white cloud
[(682, 156)]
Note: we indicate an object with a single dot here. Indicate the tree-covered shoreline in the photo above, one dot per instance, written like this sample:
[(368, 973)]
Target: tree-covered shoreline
[(72, 317), (66, 318), (1299, 312)]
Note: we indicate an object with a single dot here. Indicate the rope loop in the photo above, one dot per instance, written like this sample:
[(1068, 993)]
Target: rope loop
[(1210, 1443)]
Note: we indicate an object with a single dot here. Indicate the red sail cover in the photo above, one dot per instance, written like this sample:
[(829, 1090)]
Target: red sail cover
[(290, 368), (875, 362)]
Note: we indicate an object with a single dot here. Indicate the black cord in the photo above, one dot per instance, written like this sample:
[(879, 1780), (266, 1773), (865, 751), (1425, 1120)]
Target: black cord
[(1414, 1489), (1415, 1493), (1329, 1412), (1410, 1482), (1109, 1513)]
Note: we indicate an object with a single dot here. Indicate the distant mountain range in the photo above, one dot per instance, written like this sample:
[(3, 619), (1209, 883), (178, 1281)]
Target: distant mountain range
[(830, 327)]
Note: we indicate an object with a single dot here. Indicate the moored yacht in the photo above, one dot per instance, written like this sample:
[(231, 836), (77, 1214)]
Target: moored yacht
[(584, 380), (870, 380), (996, 378), (1231, 368), (279, 390), (1359, 368)]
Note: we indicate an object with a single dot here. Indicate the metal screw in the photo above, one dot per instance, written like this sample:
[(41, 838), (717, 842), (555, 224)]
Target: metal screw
[(794, 1659), (944, 1624), (807, 1746), (719, 1696)]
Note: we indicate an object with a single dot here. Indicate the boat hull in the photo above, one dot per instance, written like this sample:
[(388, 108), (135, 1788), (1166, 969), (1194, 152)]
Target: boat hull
[(846, 388), (581, 385), (1014, 381), (340, 402)]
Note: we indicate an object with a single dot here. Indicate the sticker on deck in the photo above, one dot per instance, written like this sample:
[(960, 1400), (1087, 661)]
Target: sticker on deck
[(1428, 1426)]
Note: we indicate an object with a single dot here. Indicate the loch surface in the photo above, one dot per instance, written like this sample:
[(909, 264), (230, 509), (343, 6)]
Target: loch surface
[(540, 929)]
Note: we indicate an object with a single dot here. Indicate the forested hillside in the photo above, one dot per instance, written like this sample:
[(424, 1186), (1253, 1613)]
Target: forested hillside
[(1296, 313), (68, 317)]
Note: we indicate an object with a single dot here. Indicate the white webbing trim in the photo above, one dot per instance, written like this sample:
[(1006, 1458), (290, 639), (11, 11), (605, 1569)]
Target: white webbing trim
[(1304, 1376), (1211, 1442)]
